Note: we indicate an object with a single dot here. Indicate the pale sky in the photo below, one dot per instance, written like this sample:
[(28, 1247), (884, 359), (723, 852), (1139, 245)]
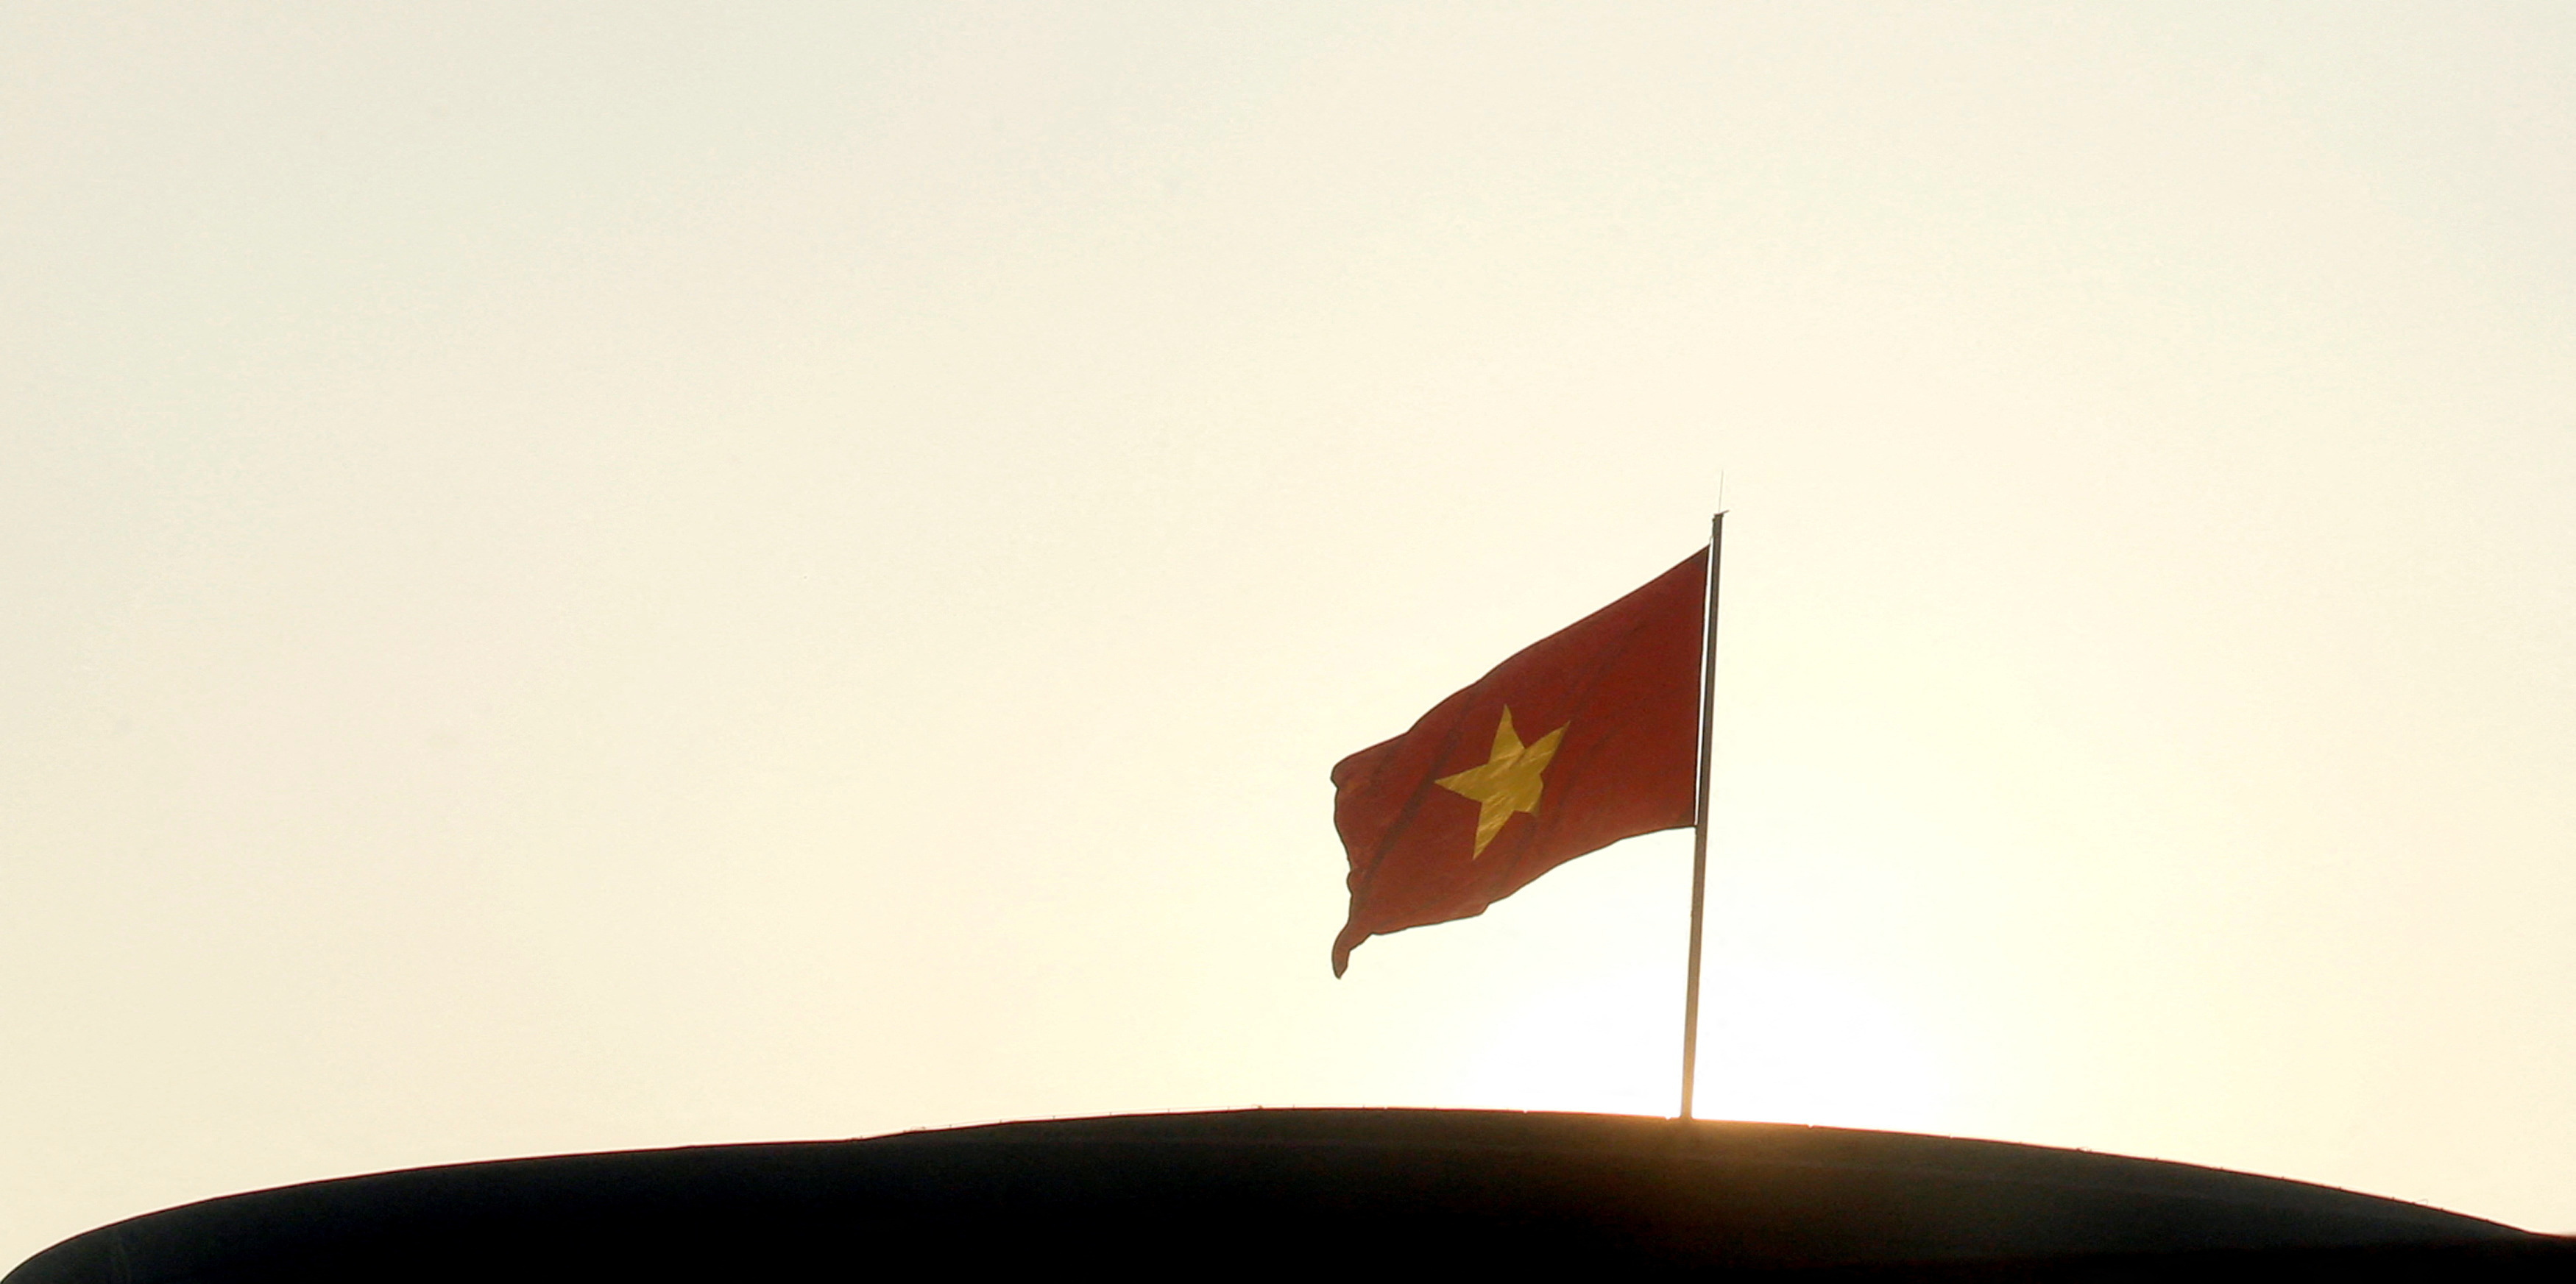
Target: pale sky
[(588, 577)]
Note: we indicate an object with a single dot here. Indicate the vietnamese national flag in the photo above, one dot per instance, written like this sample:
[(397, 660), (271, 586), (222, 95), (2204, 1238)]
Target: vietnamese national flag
[(1588, 737)]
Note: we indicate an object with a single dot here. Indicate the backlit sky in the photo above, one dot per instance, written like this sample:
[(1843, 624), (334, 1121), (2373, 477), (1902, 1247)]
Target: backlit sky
[(586, 577)]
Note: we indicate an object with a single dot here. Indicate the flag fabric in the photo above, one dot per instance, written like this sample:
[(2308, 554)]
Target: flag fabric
[(1583, 739)]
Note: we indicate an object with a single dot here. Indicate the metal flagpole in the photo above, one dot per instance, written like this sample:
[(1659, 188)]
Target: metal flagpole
[(1699, 816)]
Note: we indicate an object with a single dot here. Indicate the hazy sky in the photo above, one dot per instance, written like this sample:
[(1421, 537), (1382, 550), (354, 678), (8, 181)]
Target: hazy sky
[(585, 577)]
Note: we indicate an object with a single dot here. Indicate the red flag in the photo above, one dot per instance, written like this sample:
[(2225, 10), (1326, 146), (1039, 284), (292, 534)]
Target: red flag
[(1586, 738)]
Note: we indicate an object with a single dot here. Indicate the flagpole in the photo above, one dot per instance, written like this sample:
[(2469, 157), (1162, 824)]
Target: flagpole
[(1699, 816)]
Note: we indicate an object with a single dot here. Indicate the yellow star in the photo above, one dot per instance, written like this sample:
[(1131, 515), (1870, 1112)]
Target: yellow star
[(1507, 783)]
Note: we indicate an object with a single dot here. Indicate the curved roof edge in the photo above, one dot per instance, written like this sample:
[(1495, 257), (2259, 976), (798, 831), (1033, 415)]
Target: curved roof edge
[(1328, 1187)]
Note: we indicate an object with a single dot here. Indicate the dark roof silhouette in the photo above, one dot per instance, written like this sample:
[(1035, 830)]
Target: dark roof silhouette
[(1338, 1191)]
